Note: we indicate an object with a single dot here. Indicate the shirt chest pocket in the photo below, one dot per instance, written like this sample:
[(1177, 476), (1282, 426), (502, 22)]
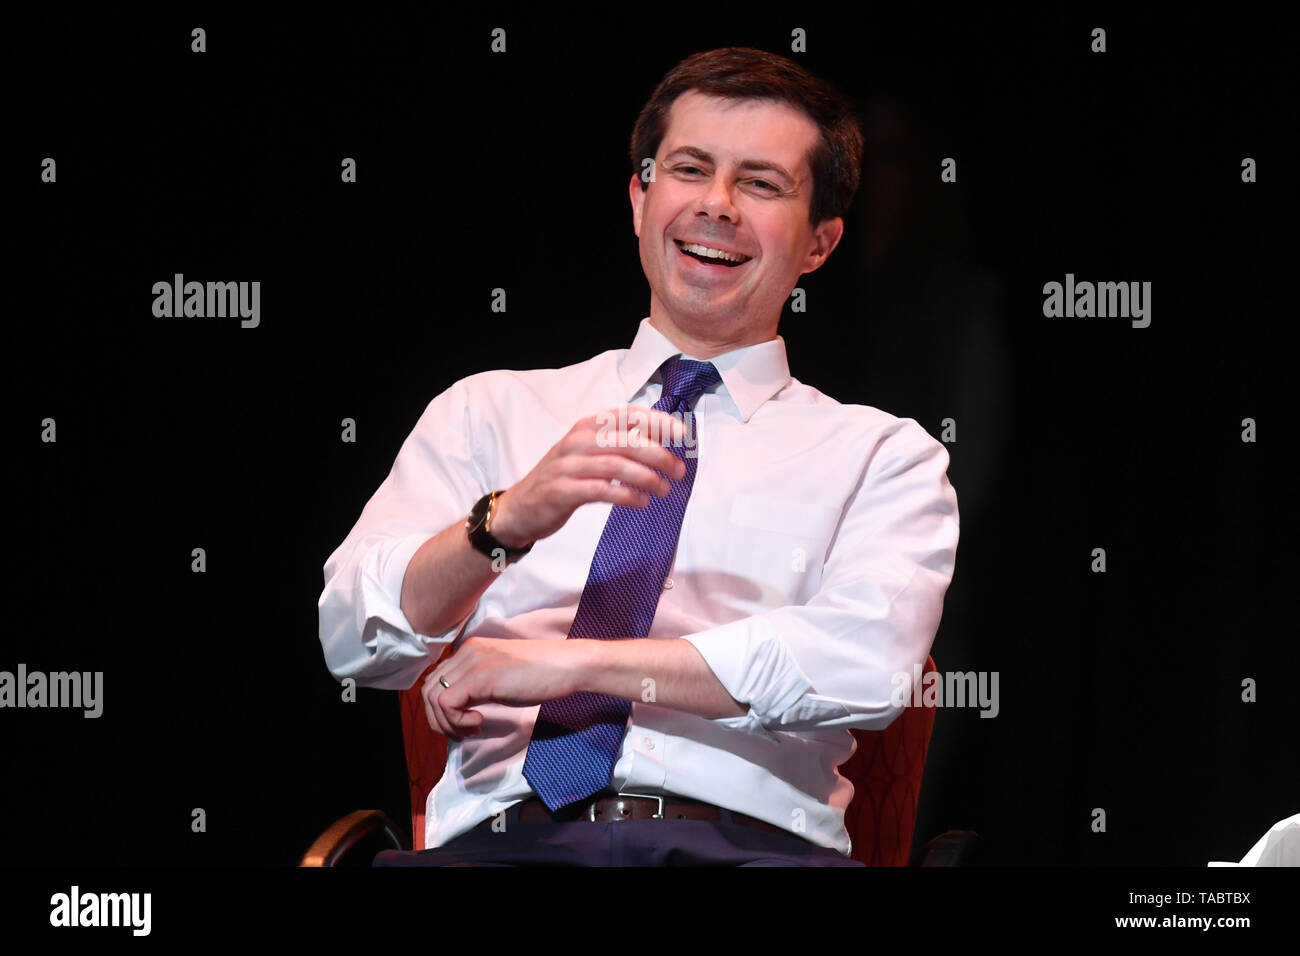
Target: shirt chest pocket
[(776, 546)]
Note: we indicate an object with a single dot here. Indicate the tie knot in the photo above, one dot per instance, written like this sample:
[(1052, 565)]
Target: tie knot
[(685, 379)]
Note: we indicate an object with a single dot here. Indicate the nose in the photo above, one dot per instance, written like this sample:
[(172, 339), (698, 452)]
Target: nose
[(716, 202)]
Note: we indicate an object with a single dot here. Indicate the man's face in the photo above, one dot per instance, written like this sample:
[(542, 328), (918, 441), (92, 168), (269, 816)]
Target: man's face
[(732, 176)]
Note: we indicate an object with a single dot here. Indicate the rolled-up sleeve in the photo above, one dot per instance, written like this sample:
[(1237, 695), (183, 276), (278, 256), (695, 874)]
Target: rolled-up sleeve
[(835, 661), (435, 479)]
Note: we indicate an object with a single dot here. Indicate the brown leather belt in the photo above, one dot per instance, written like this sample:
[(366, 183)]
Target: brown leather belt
[(609, 808)]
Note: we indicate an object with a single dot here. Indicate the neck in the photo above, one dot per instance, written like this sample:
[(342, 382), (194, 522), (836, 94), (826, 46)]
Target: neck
[(706, 343)]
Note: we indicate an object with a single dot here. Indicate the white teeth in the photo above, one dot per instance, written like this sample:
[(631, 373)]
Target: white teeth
[(711, 253)]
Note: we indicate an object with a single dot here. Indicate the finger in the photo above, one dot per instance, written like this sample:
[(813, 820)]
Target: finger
[(624, 471), (654, 459), (455, 704), (436, 719), (428, 712), (642, 428), (653, 423), (465, 722), (432, 684), (450, 701), (652, 455), (445, 720), (446, 703), (594, 489), (666, 428)]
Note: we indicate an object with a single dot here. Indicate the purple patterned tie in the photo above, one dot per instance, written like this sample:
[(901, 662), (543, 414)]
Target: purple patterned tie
[(576, 739)]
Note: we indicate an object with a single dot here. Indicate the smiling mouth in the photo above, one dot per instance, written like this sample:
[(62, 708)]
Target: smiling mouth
[(711, 256)]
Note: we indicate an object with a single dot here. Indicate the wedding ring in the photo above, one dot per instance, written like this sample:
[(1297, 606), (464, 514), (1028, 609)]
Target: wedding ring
[(443, 682)]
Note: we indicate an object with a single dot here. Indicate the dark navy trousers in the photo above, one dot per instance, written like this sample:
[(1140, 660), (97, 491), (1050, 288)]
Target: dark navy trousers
[(621, 843)]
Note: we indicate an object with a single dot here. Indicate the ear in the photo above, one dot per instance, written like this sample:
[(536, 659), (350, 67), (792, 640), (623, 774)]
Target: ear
[(826, 236), (637, 196)]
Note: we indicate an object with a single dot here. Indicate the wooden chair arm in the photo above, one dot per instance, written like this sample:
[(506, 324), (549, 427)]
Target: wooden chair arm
[(344, 834)]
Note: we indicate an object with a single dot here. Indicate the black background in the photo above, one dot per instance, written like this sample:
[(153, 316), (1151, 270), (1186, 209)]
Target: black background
[(1118, 690)]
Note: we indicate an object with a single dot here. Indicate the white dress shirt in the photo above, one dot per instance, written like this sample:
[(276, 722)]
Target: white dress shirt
[(816, 548)]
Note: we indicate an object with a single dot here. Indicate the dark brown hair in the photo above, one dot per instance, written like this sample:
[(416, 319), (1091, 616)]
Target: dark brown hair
[(742, 73)]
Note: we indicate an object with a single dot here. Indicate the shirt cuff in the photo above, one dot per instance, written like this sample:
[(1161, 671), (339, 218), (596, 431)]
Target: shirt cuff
[(753, 664), (390, 654)]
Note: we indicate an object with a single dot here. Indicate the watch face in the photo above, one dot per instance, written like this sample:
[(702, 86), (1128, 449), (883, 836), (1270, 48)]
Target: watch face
[(478, 514)]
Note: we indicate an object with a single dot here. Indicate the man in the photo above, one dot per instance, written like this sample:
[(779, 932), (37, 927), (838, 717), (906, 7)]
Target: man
[(759, 560)]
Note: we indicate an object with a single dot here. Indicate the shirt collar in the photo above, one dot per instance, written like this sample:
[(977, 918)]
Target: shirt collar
[(751, 374)]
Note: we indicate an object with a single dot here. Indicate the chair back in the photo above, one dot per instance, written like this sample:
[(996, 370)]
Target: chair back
[(885, 770)]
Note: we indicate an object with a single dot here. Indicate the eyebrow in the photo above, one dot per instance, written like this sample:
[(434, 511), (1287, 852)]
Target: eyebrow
[(750, 165)]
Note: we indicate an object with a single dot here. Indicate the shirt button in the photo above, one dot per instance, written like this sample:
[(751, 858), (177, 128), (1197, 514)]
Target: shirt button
[(668, 584), (647, 743)]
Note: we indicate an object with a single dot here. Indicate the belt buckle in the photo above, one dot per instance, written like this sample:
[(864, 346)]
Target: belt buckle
[(658, 798)]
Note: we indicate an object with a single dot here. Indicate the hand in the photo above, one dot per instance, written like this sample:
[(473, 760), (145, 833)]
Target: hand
[(579, 469), (517, 672)]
